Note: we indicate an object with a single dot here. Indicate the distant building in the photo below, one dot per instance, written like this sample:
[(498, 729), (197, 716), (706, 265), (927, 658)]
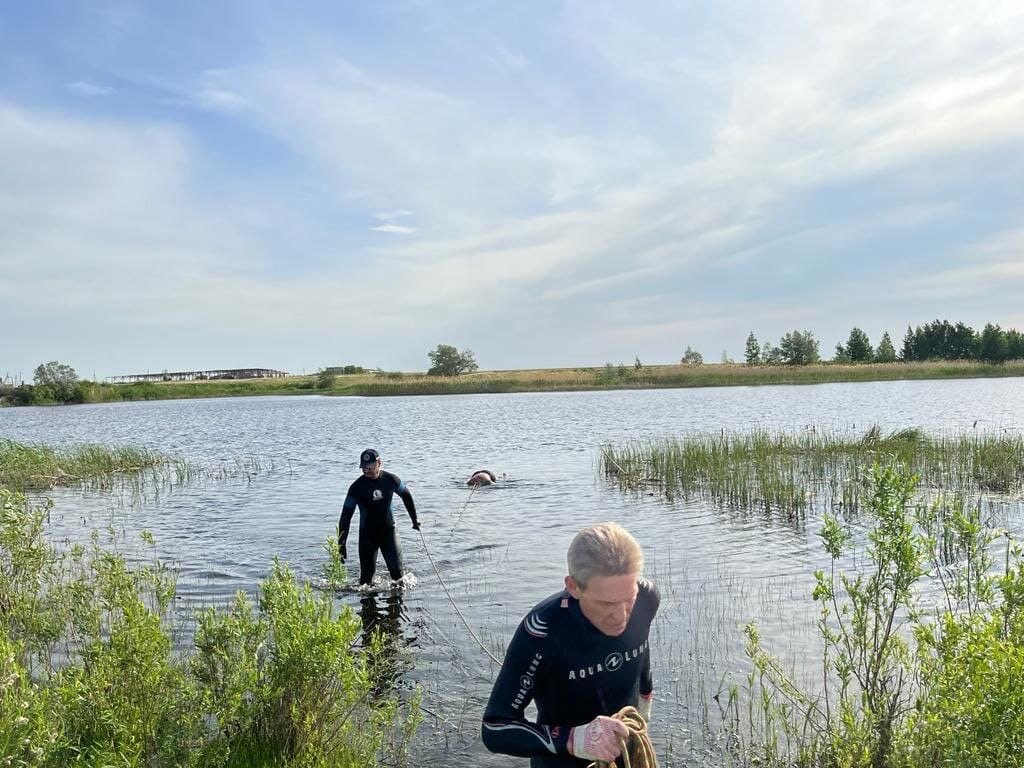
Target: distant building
[(217, 374)]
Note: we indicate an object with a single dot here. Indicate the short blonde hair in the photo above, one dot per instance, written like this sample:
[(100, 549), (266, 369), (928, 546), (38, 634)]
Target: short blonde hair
[(605, 549)]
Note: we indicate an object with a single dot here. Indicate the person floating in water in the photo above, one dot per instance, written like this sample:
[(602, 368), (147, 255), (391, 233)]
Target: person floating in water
[(580, 655), (373, 493), (482, 477)]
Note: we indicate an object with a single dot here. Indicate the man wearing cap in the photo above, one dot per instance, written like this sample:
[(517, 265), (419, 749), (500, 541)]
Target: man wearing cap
[(372, 493)]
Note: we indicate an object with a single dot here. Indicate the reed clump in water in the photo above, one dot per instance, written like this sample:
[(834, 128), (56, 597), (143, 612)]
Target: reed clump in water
[(787, 473), (101, 467), (38, 467)]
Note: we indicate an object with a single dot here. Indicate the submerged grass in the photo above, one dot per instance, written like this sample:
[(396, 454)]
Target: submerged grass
[(787, 473)]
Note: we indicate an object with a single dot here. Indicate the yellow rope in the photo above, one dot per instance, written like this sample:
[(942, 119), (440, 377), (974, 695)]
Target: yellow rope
[(637, 750)]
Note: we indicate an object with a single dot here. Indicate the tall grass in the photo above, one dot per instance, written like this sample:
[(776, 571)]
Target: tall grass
[(786, 473), (34, 467), (88, 676), (101, 467)]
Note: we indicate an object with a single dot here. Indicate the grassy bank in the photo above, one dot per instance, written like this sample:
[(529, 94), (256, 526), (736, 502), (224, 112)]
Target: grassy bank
[(378, 384), (787, 473)]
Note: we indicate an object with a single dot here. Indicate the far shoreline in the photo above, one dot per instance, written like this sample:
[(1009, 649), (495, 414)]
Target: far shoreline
[(581, 379)]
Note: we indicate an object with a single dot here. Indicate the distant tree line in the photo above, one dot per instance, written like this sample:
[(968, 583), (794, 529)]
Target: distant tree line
[(937, 340), (940, 340)]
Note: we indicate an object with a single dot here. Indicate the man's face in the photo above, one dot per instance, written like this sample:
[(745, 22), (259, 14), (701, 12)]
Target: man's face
[(372, 471), (607, 601)]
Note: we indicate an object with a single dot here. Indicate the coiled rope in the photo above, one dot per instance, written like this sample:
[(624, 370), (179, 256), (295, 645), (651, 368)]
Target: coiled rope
[(637, 750)]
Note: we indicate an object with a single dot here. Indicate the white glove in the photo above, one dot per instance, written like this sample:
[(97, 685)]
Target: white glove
[(598, 739), (644, 706)]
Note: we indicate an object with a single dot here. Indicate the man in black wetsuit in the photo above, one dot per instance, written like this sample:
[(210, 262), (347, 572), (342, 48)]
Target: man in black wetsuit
[(581, 655), (372, 493)]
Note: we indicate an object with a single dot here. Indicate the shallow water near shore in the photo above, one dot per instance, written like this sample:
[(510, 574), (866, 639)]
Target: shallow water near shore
[(500, 549)]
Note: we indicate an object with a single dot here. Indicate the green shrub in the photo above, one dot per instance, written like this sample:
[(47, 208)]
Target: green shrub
[(902, 687), (89, 676)]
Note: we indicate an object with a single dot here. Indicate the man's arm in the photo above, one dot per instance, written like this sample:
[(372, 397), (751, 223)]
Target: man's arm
[(505, 728), (410, 505), (646, 679), (347, 510)]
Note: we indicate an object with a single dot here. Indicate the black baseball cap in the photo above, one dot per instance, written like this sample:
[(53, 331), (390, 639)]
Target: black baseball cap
[(368, 457)]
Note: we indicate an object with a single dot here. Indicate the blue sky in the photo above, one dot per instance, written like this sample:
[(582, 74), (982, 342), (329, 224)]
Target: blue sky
[(203, 185)]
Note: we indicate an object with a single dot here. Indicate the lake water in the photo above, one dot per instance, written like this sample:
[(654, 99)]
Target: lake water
[(502, 549)]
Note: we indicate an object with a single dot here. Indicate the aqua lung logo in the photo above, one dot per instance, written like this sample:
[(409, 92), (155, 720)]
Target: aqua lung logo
[(526, 682), (536, 626), (613, 662)]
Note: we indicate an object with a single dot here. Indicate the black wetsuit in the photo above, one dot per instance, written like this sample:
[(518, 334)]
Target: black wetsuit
[(376, 522), (574, 673)]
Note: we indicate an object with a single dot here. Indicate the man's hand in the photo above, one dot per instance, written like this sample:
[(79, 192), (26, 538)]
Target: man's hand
[(598, 739), (342, 551), (644, 706), (415, 525)]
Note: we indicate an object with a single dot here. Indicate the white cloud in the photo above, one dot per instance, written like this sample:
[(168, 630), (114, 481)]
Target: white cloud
[(86, 88), (687, 149), (392, 215), (990, 268), (395, 228), (214, 95)]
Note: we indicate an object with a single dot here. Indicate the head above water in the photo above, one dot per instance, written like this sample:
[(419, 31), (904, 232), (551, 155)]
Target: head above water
[(605, 562), (482, 477)]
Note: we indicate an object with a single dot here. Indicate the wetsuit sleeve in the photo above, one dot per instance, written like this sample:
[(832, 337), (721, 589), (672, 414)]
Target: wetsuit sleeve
[(505, 728), (646, 679), (654, 598), (347, 510), (403, 491)]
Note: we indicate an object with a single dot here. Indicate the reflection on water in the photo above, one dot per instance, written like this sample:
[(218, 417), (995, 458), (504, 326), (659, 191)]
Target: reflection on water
[(501, 548), (382, 616)]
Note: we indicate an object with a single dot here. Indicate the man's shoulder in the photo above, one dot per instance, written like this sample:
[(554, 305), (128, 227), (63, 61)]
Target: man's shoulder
[(547, 616), (648, 592), (391, 477)]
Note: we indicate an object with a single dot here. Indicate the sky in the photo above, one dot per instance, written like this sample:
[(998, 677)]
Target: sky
[(198, 185)]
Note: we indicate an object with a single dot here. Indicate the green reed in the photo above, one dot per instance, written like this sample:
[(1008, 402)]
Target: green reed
[(36, 467), (786, 473), (101, 467)]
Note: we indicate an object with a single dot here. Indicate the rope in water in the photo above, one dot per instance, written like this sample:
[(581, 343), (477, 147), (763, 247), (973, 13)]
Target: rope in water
[(637, 750), (452, 601)]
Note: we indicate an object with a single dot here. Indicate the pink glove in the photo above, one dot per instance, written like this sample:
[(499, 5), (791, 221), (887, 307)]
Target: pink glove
[(644, 706), (598, 739)]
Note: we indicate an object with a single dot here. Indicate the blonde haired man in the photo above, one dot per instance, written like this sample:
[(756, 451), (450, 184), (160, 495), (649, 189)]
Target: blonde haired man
[(581, 655)]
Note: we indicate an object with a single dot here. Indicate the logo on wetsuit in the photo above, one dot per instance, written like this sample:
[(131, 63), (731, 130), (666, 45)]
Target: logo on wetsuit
[(526, 681), (613, 662), (377, 495)]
